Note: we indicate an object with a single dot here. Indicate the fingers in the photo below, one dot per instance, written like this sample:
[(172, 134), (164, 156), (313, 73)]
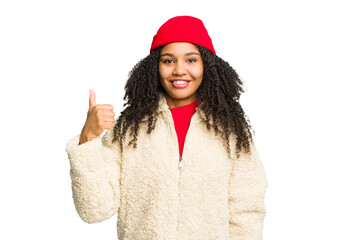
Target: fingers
[(108, 125), (107, 122), (105, 106), (105, 113), (99, 117), (92, 99), (92, 102)]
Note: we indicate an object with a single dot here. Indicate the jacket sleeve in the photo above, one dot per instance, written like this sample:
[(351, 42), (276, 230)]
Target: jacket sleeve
[(247, 188), (95, 177)]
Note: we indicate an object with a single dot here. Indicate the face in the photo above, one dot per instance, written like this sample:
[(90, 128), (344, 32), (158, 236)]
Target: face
[(181, 72)]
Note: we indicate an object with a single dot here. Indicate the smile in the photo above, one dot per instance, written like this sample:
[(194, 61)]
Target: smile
[(180, 83)]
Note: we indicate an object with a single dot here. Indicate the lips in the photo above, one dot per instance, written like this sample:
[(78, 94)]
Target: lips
[(180, 83)]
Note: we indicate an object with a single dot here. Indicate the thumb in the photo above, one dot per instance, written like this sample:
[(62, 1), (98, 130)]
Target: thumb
[(92, 99)]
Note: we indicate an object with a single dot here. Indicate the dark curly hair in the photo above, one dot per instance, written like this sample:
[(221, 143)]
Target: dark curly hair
[(218, 97)]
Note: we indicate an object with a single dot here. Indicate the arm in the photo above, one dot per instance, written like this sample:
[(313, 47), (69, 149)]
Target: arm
[(247, 188), (95, 177)]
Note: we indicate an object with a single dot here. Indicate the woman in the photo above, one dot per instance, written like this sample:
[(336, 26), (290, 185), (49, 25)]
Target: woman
[(179, 162)]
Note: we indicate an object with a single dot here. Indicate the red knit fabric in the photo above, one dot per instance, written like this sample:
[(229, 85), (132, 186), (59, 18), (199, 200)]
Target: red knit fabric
[(182, 29), (182, 116)]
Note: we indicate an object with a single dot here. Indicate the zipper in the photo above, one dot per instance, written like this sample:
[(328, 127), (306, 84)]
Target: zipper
[(179, 161), (178, 209), (180, 164)]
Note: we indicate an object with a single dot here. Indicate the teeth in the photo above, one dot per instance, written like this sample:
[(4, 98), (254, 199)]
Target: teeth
[(180, 82)]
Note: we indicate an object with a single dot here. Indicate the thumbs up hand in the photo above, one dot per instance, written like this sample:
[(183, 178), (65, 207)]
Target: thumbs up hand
[(99, 118)]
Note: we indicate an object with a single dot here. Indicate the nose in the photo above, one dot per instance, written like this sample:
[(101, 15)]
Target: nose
[(179, 68)]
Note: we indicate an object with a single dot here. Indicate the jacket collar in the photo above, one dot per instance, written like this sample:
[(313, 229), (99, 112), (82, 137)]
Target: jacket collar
[(163, 106)]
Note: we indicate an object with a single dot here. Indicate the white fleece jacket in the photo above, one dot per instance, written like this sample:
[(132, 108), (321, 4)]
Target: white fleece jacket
[(210, 196)]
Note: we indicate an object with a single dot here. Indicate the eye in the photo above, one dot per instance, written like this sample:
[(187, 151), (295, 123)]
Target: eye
[(192, 60), (167, 61)]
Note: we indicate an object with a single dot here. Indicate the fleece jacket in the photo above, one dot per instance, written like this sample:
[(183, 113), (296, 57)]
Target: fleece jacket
[(209, 196)]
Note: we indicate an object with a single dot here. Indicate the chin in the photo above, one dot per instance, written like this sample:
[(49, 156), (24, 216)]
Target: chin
[(180, 96)]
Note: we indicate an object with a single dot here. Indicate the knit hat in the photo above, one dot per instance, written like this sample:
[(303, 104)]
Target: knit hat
[(182, 29)]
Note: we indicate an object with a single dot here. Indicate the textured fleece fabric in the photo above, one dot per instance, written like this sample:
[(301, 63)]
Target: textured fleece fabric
[(211, 196)]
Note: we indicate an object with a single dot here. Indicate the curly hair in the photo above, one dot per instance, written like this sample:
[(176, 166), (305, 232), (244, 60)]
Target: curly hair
[(218, 97)]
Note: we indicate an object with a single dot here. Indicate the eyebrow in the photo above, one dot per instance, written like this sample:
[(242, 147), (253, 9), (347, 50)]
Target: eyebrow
[(172, 55)]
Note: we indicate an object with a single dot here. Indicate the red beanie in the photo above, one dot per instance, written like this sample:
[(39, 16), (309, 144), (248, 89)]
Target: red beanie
[(182, 29)]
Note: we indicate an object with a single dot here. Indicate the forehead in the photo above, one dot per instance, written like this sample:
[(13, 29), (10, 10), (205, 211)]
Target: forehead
[(179, 48)]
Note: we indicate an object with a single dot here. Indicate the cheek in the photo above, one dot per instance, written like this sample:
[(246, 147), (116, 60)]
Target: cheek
[(198, 72), (163, 72), (160, 70)]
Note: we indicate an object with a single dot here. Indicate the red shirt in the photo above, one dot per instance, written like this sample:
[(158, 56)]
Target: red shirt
[(182, 116)]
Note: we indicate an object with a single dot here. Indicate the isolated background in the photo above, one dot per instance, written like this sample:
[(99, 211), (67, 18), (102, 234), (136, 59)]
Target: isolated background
[(299, 61)]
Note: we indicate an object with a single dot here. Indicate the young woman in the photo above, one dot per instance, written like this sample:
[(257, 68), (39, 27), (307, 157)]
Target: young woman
[(179, 162)]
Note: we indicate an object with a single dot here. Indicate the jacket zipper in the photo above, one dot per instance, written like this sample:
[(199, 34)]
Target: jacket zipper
[(179, 167), (179, 163), (178, 209)]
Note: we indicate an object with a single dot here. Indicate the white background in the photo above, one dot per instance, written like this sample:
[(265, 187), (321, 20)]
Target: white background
[(299, 61)]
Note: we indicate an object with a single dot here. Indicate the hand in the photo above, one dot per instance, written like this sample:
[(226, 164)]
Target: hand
[(99, 118)]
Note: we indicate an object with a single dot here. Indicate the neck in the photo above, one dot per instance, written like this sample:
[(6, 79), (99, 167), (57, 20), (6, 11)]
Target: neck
[(175, 103)]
